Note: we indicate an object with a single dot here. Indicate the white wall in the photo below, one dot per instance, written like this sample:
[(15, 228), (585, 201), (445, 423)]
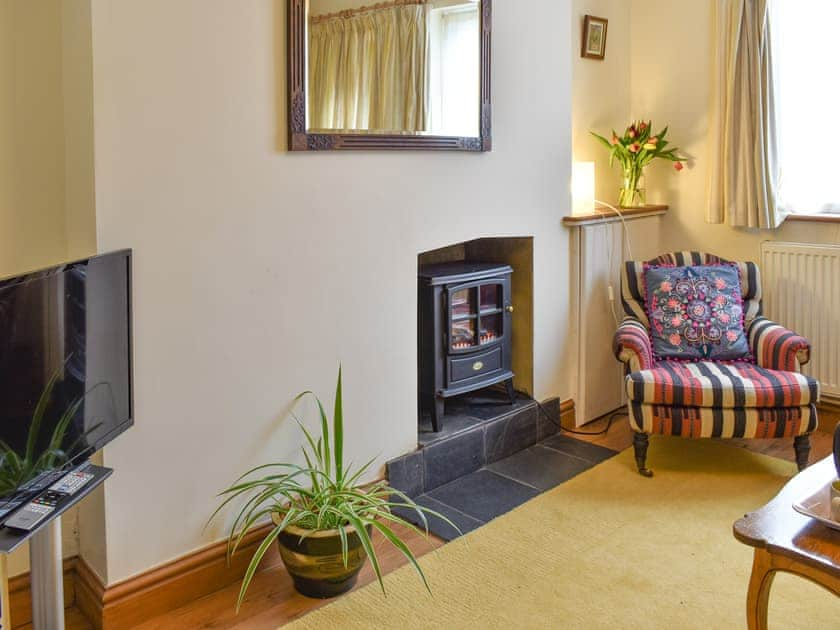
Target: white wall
[(672, 84), (601, 94), (257, 271)]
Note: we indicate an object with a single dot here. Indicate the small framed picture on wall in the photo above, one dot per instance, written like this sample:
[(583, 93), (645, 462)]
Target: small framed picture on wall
[(594, 44)]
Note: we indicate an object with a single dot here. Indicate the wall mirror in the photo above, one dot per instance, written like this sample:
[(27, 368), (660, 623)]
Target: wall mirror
[(399, 74)]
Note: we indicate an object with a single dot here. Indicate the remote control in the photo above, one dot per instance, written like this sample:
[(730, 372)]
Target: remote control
[(35, 511), (45, 503), (70, 483)]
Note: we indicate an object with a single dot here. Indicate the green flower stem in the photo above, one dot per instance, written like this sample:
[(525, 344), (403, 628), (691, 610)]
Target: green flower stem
[(629, 195)]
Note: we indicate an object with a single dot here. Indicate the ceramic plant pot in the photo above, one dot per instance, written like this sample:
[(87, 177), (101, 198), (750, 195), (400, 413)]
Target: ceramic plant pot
[(314, 560)]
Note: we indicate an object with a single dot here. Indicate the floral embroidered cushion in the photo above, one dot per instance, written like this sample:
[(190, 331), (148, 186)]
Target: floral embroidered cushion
[(696, 313)]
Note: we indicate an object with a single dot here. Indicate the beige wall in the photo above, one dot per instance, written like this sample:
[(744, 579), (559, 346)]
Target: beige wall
[(77, 83), (672, 84), (601, 94), (32, 228), (257, 271), (46, 133), (46, 151), (80, 217)]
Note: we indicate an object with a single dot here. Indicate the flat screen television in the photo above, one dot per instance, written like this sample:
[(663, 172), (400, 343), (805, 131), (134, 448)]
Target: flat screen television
[(65, 369)]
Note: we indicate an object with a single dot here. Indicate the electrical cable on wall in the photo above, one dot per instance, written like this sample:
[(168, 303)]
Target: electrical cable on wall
[(611, 301), (623, 223), (626, 231)]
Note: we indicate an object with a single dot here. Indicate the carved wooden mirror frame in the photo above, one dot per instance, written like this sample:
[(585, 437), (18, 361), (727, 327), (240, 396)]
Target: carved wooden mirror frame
[(301, 140)]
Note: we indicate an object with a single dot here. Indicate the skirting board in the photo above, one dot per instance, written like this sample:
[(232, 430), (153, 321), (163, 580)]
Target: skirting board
[(568, 419), (155, 592), (165, 588)]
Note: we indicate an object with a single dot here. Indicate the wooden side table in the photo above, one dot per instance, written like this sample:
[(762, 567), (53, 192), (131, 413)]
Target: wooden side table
[(785, 540)]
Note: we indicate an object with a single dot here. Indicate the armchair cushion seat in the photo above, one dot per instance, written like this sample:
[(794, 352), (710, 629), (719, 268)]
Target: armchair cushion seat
[(708, 422), (739, 385)]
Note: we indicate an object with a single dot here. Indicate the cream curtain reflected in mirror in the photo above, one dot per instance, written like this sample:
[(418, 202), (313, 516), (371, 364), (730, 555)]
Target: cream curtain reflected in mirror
[(400, 67), (367, 69)]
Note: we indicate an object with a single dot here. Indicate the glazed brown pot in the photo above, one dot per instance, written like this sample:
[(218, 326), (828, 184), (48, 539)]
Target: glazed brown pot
[(315, 561)]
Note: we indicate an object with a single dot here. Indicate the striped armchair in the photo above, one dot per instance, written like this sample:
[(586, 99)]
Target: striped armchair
[(765, 398)]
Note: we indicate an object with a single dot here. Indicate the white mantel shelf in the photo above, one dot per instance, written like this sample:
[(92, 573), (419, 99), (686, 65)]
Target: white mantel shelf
[(602, 214)]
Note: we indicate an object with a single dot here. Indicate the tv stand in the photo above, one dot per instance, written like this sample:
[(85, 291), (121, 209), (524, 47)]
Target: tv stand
[(46, 571), (45, 558)]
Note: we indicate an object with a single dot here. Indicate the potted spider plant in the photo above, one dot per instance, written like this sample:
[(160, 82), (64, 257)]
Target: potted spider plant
[(323, 515)]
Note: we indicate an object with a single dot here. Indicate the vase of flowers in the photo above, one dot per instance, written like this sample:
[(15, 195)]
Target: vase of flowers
[(637, 148)]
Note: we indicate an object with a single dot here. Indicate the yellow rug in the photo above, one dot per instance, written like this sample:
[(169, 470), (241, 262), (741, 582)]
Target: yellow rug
[(608, 549)]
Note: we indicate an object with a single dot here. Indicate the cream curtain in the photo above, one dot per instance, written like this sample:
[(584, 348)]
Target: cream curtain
[(367, 70), (744, 173)]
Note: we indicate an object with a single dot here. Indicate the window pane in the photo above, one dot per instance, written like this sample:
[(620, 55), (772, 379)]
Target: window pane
[(806, 56), (454, 63)]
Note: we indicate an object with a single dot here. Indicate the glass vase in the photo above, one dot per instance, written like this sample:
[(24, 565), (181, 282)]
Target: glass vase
[(631, 193)]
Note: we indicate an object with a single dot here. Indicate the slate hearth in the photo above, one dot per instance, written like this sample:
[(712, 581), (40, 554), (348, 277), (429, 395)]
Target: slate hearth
[(490, 458)]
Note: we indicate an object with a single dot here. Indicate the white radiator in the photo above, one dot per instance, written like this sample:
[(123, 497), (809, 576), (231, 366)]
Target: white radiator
[(801, 284)]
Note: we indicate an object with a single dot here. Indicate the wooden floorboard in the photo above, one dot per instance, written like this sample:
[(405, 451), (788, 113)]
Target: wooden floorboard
[(272, 600), (73, 620)]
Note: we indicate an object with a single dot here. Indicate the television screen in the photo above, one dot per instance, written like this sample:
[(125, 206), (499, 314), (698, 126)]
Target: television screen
[(65, 368)]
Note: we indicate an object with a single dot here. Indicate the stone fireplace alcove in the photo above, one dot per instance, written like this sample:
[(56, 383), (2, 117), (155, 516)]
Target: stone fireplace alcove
[(490, 453)]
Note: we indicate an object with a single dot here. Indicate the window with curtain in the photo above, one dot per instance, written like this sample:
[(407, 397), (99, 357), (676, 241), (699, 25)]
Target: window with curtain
[(807, 94)]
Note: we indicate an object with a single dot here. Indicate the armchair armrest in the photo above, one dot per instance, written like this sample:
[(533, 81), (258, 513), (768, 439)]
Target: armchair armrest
[(631, 345), (777, 348)]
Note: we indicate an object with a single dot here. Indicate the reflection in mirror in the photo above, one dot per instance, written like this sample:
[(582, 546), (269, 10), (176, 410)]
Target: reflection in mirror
[(401, 67)]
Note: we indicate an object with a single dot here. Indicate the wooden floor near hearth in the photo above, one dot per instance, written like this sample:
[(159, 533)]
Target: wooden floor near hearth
[(272, 601)]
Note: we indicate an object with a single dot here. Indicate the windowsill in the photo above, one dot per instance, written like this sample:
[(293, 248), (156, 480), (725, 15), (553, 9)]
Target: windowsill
[(814, 218), (602, 214)]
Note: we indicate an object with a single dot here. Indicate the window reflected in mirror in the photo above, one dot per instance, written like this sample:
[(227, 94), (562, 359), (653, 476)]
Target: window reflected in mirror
[(407, 67)]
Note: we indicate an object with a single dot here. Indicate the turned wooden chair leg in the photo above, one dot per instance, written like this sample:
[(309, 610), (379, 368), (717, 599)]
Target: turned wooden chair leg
[(640, 447), (802, 447)]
